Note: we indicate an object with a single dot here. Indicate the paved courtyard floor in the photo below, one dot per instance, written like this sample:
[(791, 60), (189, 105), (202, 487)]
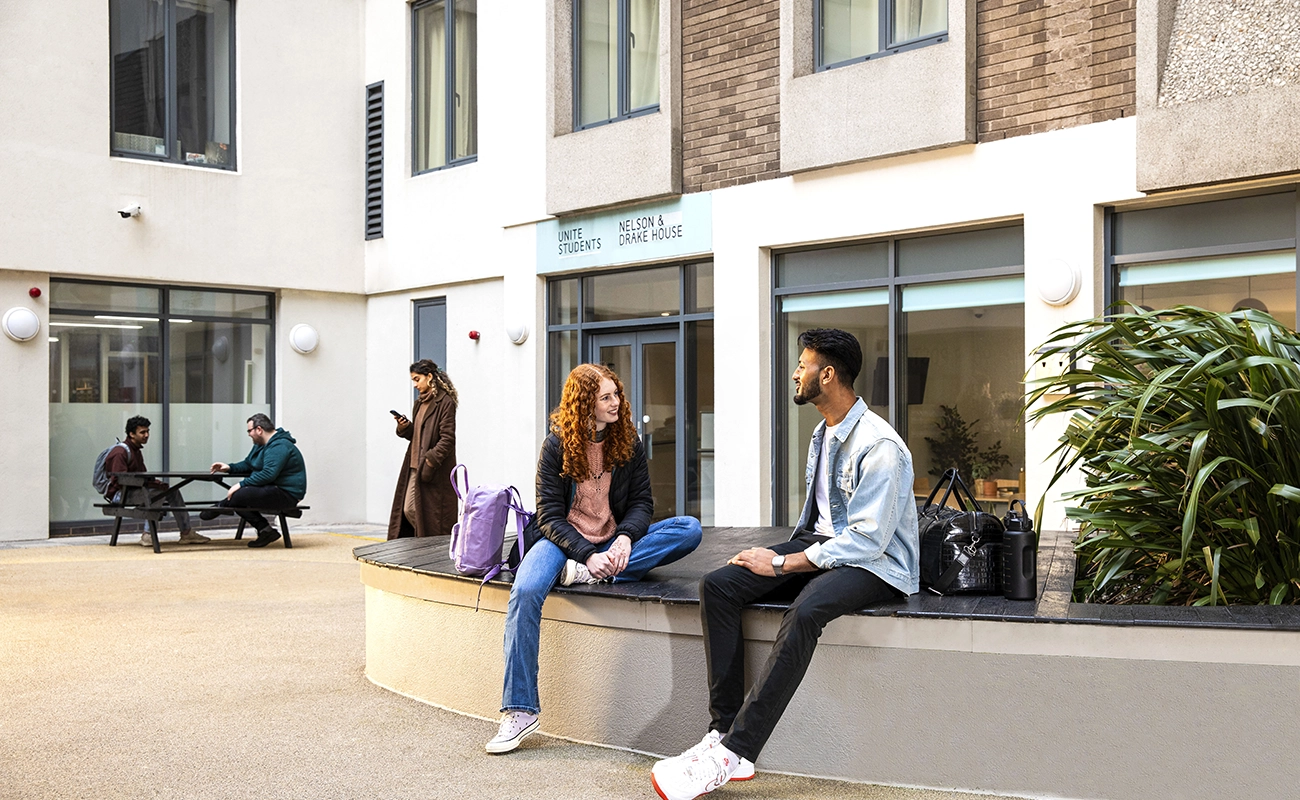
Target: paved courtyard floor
[(219, 671)]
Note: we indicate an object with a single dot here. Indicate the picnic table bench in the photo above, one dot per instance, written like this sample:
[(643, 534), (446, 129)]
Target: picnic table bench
[(152, 509)]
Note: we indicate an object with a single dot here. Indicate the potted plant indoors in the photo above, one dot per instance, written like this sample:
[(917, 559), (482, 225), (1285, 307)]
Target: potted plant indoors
[(957, 445)]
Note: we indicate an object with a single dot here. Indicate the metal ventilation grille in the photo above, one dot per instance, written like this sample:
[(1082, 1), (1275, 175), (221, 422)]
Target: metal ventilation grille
[(375, 160)]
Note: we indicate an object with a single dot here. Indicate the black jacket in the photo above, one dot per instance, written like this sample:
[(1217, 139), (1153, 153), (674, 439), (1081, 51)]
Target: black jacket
[(629, 500)]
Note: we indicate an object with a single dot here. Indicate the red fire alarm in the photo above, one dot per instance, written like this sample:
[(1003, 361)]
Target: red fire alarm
[(473, 335), (34, 292)]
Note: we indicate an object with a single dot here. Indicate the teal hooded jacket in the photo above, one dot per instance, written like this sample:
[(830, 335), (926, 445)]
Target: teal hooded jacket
[(276, 463)]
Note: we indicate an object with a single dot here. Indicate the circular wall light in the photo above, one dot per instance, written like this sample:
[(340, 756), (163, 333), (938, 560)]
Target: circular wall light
[(517, 333), (21, 324), (303, 338), (1057, 282)]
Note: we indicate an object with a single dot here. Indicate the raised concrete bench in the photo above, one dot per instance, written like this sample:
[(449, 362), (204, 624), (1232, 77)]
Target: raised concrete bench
[(1031, 698)]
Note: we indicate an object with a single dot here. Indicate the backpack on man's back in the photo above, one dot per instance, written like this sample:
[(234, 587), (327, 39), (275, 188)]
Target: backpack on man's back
[(99, 477)]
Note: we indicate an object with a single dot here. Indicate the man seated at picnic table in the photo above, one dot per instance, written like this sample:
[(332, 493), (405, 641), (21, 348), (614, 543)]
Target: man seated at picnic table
[(275, 478), (131, 459)]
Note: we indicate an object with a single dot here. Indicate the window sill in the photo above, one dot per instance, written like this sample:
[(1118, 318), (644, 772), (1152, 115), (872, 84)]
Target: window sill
[(143, 159), (459, 163)]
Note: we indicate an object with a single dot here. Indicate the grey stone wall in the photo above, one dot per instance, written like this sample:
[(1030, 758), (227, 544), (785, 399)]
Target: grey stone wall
[(1225, 48)]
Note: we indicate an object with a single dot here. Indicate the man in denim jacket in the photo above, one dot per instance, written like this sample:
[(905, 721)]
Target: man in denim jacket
[(856, 544)]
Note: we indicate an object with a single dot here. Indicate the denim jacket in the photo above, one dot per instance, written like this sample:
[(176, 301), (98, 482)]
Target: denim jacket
[(872, 507)]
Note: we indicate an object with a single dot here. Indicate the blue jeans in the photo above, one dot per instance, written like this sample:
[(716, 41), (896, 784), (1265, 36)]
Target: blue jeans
[(538, 573)]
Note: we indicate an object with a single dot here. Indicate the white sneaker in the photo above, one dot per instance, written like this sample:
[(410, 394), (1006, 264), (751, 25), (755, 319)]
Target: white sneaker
[(576, 573), (744, 767), (192, 536), (515, 726), (146, 539), (687, 778)]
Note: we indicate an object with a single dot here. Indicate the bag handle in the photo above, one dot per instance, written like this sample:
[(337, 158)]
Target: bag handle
[(463, 471), (954, 485)]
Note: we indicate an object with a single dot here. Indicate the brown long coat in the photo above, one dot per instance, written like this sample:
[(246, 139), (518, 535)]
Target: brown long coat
[(435, 499)]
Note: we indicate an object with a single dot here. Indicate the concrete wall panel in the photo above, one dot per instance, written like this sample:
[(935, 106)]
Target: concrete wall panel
[(914, 100)]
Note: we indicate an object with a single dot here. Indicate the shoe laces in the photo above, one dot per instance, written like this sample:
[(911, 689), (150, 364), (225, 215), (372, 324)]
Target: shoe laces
[(708, 769), (511, 724), (706, 744)]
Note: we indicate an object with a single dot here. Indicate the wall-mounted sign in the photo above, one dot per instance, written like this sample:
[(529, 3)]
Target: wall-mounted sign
[(681, 227)]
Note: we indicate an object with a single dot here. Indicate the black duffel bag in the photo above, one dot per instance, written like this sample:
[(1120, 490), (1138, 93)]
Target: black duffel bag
[(961, 548)]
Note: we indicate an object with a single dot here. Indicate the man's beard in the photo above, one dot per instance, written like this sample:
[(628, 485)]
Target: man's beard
[(803, 396)]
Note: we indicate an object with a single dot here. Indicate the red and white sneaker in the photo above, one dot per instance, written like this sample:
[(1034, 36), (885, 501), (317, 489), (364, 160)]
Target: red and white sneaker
[(744, 767), (683, 778)]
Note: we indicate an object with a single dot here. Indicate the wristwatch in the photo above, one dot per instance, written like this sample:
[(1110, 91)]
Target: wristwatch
[(778, 565)]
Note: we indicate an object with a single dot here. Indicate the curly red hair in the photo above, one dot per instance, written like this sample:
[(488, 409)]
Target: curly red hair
[(574, 421)]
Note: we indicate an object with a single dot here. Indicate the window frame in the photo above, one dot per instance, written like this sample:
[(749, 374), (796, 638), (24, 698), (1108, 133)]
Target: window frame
[(162, 426), (680, 323), (894, 284), (1112, 262), (448, 88), (887, 46), (624, 71), (172, 123)]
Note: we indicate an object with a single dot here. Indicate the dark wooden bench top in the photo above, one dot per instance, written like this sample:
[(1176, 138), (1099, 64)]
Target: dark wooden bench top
[(678, 583)]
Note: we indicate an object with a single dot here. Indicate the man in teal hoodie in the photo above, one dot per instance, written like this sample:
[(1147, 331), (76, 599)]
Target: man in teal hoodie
[(275, 477)]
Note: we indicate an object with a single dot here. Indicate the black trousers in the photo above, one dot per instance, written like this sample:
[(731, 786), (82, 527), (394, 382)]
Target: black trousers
[(258, 497), (746, 721)]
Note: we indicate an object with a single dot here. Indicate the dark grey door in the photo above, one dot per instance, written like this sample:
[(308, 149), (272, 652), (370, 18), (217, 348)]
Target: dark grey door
[(431, 331), (646, 362)]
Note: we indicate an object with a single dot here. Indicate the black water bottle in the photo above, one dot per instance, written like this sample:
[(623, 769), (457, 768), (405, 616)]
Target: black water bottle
[(1019, 555)]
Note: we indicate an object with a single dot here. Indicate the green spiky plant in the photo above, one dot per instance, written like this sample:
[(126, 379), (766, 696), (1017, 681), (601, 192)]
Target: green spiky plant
[(1185, 425)]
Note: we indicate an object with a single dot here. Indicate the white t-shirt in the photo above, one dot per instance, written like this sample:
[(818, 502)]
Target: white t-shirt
[(820, 486)]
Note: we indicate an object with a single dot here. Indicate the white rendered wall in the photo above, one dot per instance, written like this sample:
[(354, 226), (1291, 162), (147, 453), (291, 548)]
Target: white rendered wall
[(291, 216), (1054, 181), (25, 447), (320, 399), (446, 225)]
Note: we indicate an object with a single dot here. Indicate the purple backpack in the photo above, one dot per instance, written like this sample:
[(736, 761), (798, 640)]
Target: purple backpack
[(478, 537)]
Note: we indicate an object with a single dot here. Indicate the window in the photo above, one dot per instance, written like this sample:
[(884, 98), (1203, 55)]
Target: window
[(173, 95), (1222, 256), (848, 31), (196, 362), (445, 82), (616, 59), (941, 324)]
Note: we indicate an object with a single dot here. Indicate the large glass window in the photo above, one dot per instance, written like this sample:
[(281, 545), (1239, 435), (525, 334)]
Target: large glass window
[(445, 83), (616, 59), (173, 95), (197, 363), (941, 323), (654, 327), (849, 31), (1222, 256)]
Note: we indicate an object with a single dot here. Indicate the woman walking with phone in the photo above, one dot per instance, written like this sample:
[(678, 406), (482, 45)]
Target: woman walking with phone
[(425, 502)]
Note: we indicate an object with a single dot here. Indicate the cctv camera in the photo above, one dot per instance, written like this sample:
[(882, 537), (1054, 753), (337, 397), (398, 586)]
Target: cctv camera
[(129, 211)]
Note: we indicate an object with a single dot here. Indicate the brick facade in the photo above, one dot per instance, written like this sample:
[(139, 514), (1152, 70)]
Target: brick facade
[(730, 92), (1042, 65)]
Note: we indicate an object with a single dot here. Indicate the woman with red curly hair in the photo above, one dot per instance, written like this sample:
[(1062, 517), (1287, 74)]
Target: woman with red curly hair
[(593, 514)]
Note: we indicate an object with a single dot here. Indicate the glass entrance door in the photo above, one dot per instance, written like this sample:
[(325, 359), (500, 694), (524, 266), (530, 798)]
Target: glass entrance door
[(646, 362)]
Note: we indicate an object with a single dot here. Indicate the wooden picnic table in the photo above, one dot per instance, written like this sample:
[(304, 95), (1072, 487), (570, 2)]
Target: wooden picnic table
[(152, 510)]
